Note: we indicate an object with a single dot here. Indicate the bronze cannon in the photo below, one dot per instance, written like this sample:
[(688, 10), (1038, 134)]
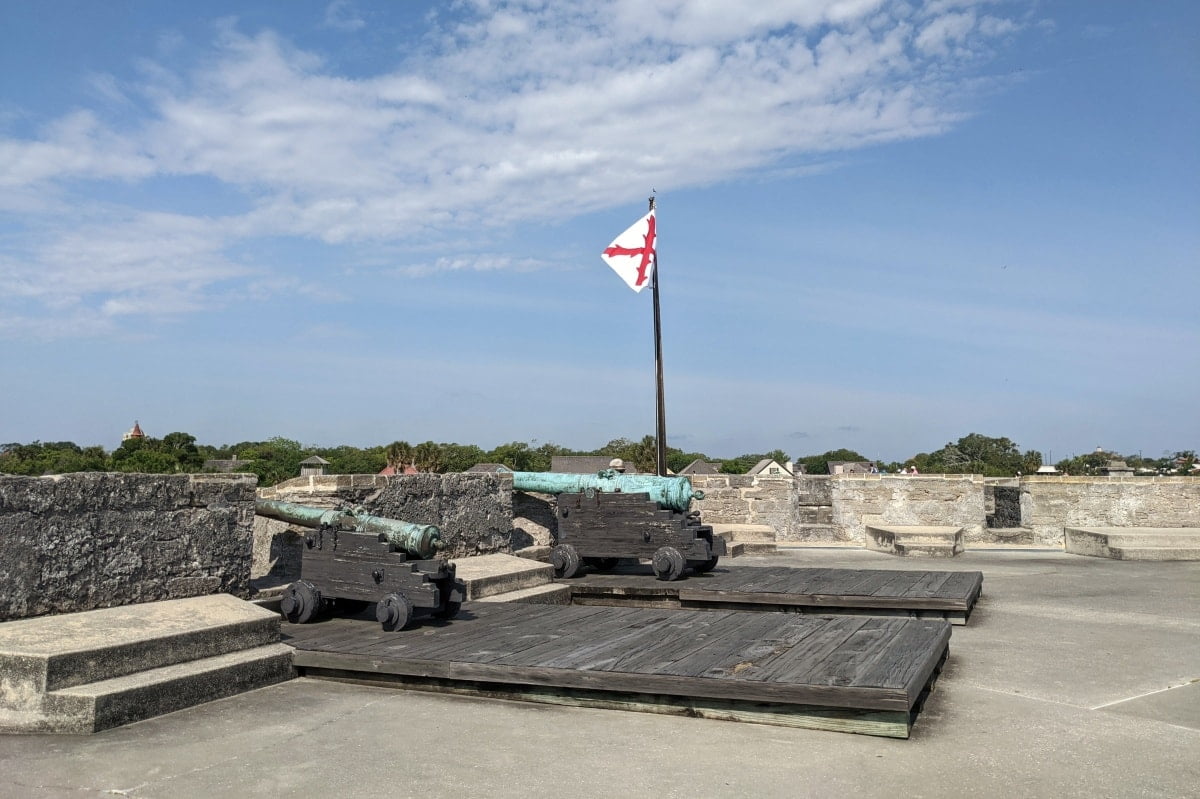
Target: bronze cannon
[(672, 493), (352, 559), (607, 516)]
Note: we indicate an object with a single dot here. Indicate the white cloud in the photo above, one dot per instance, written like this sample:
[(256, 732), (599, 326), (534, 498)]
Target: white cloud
[(489, 124)]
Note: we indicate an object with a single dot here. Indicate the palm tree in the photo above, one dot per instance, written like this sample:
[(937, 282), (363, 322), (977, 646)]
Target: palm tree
[(399, 454), (427, 457)]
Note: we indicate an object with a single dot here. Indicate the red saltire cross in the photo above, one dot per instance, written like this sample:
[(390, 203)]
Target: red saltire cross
[(647, 251)]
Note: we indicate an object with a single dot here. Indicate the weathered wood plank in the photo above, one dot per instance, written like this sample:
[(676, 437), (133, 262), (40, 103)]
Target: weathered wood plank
[(741, 657), (891, 724)]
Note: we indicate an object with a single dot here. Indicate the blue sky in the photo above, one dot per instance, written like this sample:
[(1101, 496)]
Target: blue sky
[(881, 225)]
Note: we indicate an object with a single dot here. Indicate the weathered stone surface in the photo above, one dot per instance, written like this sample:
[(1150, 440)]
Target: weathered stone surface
[(535, 520), (92, 540), (872, 500), (745, 499), (1051, 504), (473, 510)]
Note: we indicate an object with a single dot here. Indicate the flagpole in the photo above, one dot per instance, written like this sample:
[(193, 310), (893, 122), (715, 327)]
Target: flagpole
[(661, 416)]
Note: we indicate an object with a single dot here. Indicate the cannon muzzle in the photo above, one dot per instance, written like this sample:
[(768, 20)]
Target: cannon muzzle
[(418, 540), (673, 493)]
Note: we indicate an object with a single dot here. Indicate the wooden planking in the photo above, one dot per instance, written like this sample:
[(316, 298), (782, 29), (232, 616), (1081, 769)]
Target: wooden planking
[(720, 655), (845, 588), (890, 724)]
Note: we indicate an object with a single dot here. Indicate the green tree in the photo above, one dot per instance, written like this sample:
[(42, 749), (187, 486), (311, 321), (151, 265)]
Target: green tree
[(182, 448), (460, 457), (819, 464), (516, 455), (274, 460), (427, 457), (352, 460)]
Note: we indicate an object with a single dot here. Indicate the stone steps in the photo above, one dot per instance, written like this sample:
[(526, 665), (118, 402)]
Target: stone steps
[(746, 539), (121, 700), (134, 662), (1134, 543), (915, 540)]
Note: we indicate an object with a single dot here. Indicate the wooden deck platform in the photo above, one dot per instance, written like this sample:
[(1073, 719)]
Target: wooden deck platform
[(881, 592), (852, 674)]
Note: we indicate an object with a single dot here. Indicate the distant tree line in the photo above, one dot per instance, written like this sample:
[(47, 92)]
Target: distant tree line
[(278, 459)]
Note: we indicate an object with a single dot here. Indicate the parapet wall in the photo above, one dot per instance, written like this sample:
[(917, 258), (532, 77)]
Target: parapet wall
[(745, 499), (90, 540), (473, 510), (949, 500), (1051, 504)]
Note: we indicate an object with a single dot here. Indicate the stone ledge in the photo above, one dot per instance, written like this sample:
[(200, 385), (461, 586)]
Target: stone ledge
[(488, 575), (915, 540), (1134, 543)]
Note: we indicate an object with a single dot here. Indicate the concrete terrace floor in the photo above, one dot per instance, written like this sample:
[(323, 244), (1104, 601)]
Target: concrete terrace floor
[(1075, 677)]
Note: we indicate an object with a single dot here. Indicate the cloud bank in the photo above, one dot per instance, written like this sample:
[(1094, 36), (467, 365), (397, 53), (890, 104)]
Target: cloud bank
[(499, 111)]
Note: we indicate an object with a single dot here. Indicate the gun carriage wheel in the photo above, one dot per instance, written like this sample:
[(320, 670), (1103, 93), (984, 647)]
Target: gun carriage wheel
[(394, 612), (668, 563), (565, 560), (704, 566), (301, 602)]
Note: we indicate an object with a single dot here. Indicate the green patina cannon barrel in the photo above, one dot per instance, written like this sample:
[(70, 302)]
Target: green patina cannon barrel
[(674, 493), (419, 540)]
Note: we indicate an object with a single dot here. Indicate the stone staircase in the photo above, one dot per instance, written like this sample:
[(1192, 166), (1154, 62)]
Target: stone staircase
[(814, 522), (1134, 543), (915, 540), (746, 539), (89, 671), (507, 578)]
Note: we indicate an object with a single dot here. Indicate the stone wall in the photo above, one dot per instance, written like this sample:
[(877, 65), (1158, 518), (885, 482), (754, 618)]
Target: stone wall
[(942, 500), (473, 510), (1050, 504), (745, 499), (90, 540)]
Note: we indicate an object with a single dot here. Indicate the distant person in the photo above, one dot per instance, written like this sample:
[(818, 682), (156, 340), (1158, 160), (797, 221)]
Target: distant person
[(913, 470)]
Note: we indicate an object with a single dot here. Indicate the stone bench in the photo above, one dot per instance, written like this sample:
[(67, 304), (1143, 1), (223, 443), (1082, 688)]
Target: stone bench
[(1134, 543), (915, 540)]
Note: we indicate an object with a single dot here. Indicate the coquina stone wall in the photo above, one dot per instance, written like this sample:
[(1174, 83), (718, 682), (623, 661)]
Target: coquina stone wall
[(745, 499), (1050, 504), (943, 500), (81, 541), (473, 510)]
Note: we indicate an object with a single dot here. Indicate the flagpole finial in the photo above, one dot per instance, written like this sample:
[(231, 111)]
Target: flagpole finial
[(652, 199)]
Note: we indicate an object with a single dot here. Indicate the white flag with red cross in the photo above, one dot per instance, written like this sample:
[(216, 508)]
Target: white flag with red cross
[(632, 255)]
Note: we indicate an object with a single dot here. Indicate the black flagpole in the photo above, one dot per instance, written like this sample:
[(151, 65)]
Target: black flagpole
[(661, 432)]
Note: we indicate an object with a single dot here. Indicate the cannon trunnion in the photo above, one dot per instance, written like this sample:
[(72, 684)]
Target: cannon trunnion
[(598, 528)]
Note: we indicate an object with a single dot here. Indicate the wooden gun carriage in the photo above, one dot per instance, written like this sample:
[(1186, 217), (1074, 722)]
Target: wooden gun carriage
[(352, 559), (598, 529)]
